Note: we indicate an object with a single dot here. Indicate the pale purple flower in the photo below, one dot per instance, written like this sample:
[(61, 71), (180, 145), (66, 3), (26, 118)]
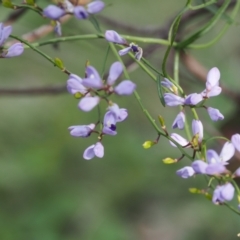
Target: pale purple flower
[(112, 36), (80, 12), (4, 33), (223, 193), (93, 79), (58, 29), (179, 121), (197, 128), (216, 163), (212, 84), (185, 172), (94, 150), (215, 114), (134, 48), (125, 87), (173, 100), (81, 130), (15, 50), (199, 166), (120, 113), (95, 7), (167, 84), (74, 85), (109, 123), (53, 12), (236, 141), (87, 103), (179, 139), (193, 99), (115, 71)]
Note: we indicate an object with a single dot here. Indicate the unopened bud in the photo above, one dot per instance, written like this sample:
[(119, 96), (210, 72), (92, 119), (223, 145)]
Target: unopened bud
[(78, 95), (161, 120), (169, 160), (195, 190), (148, 144)]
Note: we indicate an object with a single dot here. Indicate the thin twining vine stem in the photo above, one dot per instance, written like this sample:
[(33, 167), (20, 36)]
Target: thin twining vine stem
[(40, 52)]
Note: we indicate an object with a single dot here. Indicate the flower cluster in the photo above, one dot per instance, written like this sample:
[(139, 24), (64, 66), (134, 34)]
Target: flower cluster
[(112, 36), (172, 98), (215, 165), (15, 50), (66, 7), (91, 90)]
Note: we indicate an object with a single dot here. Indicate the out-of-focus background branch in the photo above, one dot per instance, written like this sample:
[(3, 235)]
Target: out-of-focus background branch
[(49, 192)]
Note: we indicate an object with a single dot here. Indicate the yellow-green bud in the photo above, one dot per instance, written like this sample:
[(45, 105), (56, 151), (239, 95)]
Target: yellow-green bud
[(148, 144), (78, 95), (161, 120), (169, 160), (195, 190)]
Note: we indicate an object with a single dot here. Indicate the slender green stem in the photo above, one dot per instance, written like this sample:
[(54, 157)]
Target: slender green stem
[(232, 208), (148, 40), (40, 52), (35, 9), (68, 39), (203, 5), (216, 137)]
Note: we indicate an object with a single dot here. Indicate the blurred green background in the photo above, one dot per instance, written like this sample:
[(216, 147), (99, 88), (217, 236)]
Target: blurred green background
[(49, 192)]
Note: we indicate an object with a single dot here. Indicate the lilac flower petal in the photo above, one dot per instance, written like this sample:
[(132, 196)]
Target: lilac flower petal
[(93, 79), (81, 130), (95, 7), (215, 114), (114, 73), (4, 33), (213, 77), (74, 85), (212, 157), (98, 150), (179, 139), (215, 169), (215, 91), (216, 195), (80, 12), (185, 172), (227, 152), (89, 153), (125, 87), (236, 141), (227, 192), (114, 37), (58, 29), (173, 100), (193, 99), (53, 12), (109, 123), (199, 166), (237, 172), (167, 83), (179, 121), (86, 104), (15, 50), (124, 51), (197, 128), (120, 113)]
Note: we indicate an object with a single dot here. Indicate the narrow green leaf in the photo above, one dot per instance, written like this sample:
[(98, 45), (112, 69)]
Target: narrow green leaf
[(95, 23), (160, 91)]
